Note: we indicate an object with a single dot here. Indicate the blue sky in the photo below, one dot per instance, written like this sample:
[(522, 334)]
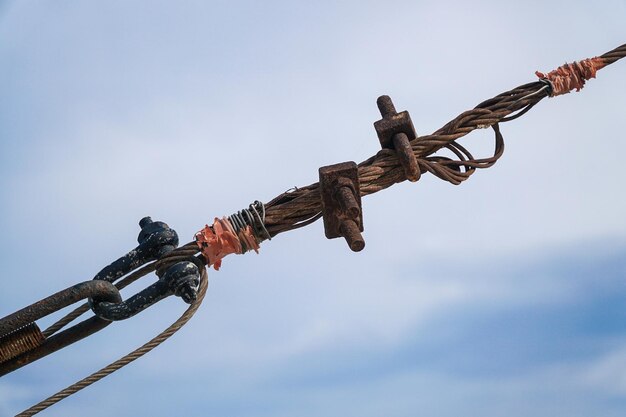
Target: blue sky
[(502, 296)]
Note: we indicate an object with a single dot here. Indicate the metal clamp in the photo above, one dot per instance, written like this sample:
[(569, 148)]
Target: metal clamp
[(396, 131), (341, 202)]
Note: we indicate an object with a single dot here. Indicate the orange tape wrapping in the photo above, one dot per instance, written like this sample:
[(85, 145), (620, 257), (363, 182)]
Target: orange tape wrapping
[(572, 76), (221, 239)]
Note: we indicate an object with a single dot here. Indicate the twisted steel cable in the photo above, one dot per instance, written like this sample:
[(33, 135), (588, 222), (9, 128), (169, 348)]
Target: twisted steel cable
[(302, 206)]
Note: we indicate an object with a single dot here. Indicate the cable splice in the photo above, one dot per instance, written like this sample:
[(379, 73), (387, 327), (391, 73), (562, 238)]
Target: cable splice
[(238, 233), (572, 76)]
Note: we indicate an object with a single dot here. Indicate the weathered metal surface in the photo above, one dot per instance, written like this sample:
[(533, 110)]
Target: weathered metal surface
[(20, 341), (181, 279), (101, 289), (133, 305), (396, 131), (54, 343), (28, 315), (156, 239), (341, 203)]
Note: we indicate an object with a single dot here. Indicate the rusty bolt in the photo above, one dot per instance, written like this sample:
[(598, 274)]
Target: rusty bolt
[(350, 231), (345, 196), (396, 131), (341, 202)]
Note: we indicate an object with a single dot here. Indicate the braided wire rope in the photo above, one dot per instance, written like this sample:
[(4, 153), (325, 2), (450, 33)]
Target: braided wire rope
[(302, 206)]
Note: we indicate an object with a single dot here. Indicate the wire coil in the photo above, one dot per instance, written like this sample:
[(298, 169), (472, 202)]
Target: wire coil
[(253, 216)]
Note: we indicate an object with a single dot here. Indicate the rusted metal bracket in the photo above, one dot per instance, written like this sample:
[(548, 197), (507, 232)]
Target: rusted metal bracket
[(341, 203), (395, 131)]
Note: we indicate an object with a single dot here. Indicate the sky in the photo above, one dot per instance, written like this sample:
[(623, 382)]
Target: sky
[(502, 296)]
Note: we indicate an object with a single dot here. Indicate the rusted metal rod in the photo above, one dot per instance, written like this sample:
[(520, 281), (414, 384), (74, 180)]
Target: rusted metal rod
[(401, 125)]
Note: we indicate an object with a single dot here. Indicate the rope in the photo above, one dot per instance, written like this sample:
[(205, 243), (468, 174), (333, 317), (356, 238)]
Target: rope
[(303, 206), (125, 360)]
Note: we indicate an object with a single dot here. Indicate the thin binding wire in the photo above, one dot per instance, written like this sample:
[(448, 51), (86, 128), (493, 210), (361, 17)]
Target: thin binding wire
[(253, 216)]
